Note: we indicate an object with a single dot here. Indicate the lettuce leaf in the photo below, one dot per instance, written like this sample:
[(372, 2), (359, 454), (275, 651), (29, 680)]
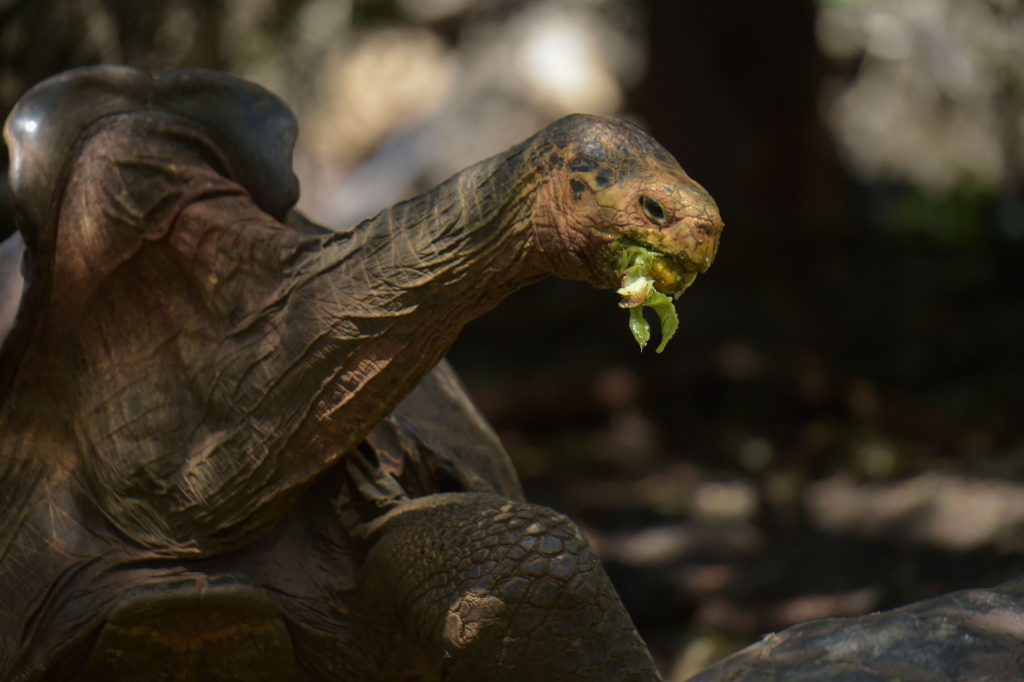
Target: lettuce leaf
[(638, 292)]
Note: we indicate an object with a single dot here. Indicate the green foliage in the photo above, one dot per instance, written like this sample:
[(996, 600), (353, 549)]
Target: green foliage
[(634, 266)]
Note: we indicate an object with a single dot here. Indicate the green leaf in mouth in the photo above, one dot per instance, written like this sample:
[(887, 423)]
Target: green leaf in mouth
[(638, 291)]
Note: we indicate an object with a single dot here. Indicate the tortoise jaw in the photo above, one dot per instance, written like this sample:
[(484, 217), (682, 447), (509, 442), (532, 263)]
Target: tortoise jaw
[(674, 254), (671, 275)]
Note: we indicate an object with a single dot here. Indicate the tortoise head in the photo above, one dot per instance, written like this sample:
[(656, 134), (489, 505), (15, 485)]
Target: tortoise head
[(612, 186)]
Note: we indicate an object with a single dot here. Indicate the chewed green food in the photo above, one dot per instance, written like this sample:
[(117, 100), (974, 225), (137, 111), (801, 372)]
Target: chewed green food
[(635, 266)]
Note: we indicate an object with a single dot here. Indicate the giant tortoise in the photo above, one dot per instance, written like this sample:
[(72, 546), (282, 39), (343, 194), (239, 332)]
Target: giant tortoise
[(229, 451)]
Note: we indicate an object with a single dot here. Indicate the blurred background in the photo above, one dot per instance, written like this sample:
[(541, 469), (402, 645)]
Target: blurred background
[(838, 426)]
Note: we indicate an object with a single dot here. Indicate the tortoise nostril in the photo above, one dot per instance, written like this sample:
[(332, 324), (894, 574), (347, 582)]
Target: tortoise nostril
[(708, 228)]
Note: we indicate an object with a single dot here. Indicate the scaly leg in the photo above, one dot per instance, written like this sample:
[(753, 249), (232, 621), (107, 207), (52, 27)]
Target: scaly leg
[(489, 589)]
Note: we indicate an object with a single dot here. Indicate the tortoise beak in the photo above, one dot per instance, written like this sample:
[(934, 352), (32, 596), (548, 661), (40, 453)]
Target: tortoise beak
[(693, 239), (692, 244)]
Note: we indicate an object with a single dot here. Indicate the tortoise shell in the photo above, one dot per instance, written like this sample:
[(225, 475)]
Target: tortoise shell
[(217, 622)]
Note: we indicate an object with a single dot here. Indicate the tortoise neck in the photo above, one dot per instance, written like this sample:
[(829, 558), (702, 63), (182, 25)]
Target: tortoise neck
[(473, 232), (275, 351)]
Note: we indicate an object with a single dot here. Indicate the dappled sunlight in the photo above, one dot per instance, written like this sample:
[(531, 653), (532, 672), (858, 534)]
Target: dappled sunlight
[(950, 512), (936, 97), (398, 109)]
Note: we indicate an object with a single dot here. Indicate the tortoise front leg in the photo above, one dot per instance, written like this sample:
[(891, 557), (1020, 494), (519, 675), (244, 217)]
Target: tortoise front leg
[(484, 588)]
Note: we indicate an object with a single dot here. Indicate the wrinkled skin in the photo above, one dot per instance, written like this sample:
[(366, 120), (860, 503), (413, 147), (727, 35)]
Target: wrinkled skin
[(224, 451)]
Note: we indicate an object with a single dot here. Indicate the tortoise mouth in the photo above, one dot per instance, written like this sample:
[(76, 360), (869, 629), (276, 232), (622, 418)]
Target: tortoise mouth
[(670, 274)]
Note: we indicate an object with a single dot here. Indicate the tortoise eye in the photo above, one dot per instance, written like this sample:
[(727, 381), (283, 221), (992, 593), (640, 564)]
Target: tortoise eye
[(653, 210)]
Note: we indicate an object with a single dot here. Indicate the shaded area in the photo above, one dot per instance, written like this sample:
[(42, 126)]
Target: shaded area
[(836, 427), (970, 634)]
